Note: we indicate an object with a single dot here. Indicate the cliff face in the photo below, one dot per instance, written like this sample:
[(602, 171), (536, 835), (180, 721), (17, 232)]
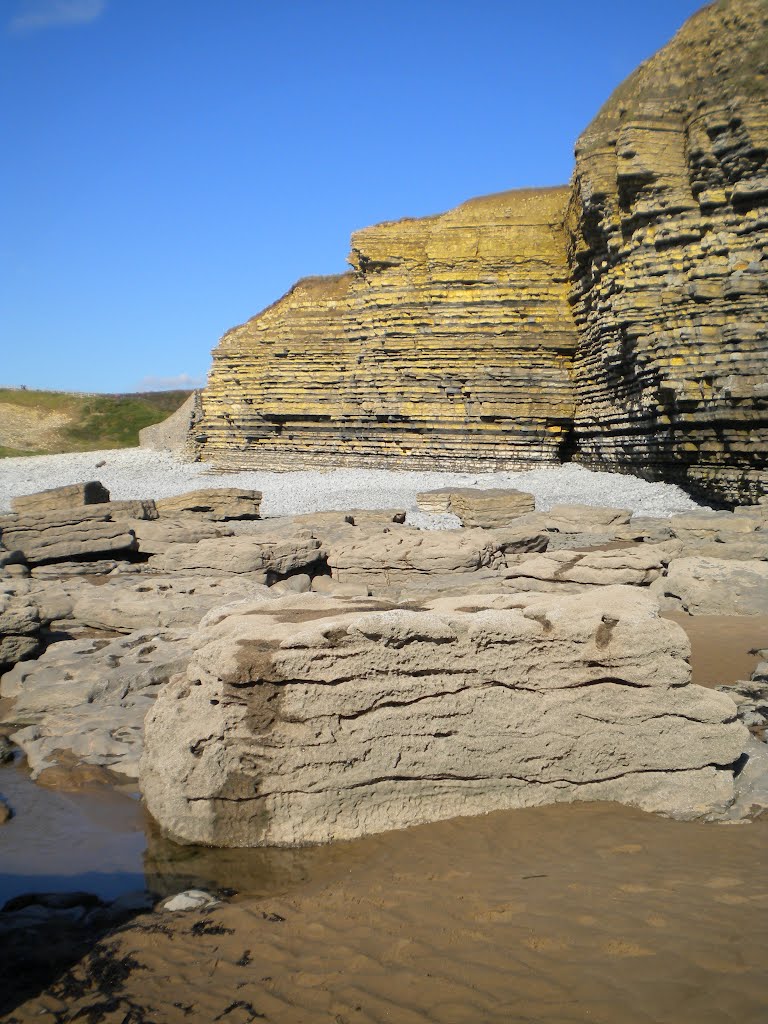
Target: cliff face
[(621, 321), (449, 345), (668, 229)]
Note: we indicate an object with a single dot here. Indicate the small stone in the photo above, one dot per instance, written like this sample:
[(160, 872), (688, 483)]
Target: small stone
[(191, 899)]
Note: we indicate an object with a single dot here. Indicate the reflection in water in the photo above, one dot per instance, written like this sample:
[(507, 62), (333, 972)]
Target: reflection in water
[(170, 868), (91, 840)]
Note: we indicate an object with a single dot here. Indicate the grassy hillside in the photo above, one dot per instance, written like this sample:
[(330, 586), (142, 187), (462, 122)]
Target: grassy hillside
[(48, 422)]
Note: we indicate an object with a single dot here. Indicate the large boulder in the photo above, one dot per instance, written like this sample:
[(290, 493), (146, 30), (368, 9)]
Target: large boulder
[(741, 535), (578, 526), (712, 586), (156, 536), (559, 571), (217, 503), (486, 508), (308, 718)]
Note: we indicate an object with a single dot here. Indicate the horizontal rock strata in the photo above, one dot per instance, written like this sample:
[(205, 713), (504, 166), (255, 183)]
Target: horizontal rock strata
[(217, 503), (620, 322), (668, 231), (307, 719), (448, 345), (62, 535)]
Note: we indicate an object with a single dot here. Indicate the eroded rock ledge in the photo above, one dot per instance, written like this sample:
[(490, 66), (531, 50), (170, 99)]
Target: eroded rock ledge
[(308, 718)]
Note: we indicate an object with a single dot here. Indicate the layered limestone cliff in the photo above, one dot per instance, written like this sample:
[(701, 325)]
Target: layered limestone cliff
[(668, 234), (621, 322), (449, 345)]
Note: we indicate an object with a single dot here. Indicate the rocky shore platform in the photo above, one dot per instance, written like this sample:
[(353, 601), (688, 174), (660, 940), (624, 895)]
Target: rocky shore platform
[(350, 675)]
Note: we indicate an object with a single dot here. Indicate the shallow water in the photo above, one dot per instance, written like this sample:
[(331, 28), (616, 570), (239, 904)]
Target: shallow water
[(571, 913), (92, 840), (102, 841)]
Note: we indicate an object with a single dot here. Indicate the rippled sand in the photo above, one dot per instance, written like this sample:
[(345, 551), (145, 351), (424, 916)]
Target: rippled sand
[(559, 914)]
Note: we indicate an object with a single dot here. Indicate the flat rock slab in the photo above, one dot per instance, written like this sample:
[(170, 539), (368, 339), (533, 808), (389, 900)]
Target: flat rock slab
[(404, 552), (86, 699), (476, 507), (217, 503), (283, 552), (72, 496), (309, 718), (66, 534), (125, 604), (711, 586)]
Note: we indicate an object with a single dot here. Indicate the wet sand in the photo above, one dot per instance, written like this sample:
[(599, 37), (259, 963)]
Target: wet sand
[(721, 645), (557, 914)]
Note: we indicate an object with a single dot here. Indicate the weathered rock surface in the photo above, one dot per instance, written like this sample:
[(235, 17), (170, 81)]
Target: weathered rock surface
[(282, 552), (217, 503), (393, 557), (491, 507), (448, 344), (19, 627), (161, 602), (308, 718), (668, 229), (711, 586), (92, 492), (62, 535), (88, 698)]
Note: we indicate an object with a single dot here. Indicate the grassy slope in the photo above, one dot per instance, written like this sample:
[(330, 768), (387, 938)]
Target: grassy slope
[(94, 421)]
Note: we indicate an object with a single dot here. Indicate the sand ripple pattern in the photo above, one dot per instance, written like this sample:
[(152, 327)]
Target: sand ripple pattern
[(560, 914)]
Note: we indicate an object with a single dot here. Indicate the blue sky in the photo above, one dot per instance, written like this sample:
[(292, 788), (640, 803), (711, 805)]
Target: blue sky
[(171, 167)]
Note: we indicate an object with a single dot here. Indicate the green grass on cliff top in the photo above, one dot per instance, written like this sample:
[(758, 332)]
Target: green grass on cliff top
[(93, 421)]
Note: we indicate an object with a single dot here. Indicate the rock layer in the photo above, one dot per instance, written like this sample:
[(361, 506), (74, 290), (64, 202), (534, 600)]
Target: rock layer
[(668, 231), (449, 345), (307, 719), (621, 322)]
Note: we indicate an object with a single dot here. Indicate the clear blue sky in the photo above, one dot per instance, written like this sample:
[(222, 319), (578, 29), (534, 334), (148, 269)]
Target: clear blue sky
[(170, 167)]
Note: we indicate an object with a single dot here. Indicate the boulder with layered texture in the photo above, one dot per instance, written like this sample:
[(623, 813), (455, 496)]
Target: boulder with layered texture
[(405, 553), (66, 534), (280, 552), (217, 503), (92, 492), (309, 718)]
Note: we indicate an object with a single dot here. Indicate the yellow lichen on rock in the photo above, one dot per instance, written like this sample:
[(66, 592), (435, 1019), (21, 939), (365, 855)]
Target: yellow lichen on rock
[(620, 322), (449, 344)]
